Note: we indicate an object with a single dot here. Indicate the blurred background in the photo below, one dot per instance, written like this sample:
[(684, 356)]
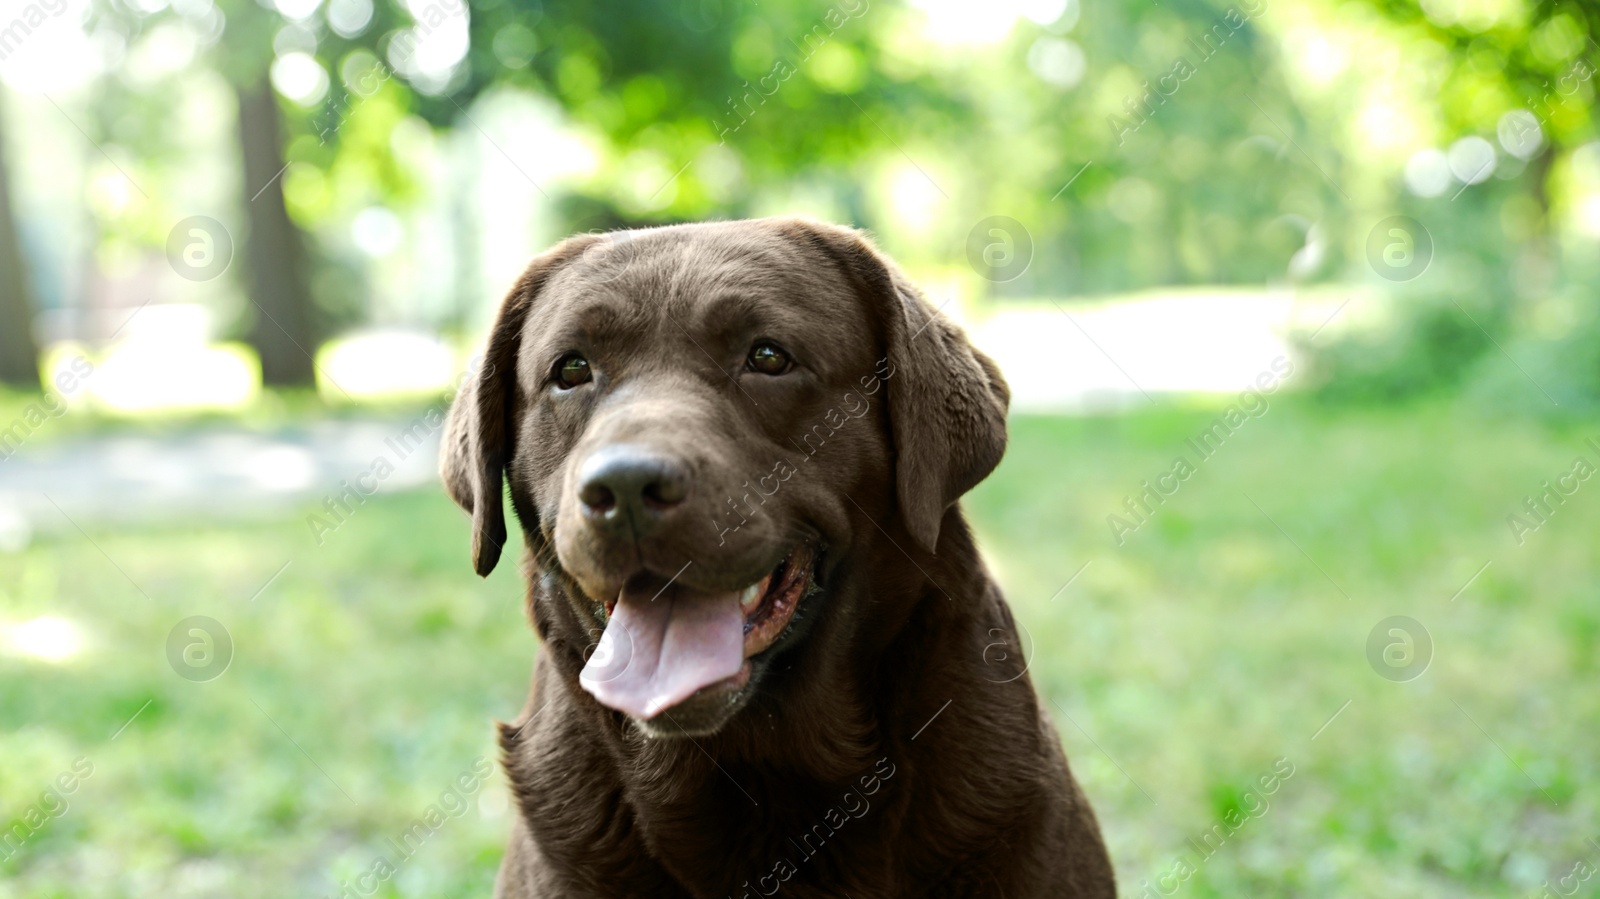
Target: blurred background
[(1297, 301)]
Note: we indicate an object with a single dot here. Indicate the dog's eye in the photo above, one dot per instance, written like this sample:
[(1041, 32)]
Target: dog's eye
[(572, 371), (768, 358)]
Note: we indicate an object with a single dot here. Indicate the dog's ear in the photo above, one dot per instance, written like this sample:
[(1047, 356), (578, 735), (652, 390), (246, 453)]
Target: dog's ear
[(478, 435), (947, 401)]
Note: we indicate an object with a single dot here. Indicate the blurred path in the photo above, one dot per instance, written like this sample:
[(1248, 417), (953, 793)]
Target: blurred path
[(211, 474), (1071, 356), (1058, 357)]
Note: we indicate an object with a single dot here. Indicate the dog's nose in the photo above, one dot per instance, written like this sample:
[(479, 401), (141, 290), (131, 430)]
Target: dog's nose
[(626, 488)]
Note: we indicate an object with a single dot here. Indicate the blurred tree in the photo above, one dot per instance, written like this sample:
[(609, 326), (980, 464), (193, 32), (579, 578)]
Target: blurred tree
[(786, 88), (1515, 83), (284, 331), (282, 322), (1192, 151), (1142, 146), (663, 82), (19, 354), (1537, 63)]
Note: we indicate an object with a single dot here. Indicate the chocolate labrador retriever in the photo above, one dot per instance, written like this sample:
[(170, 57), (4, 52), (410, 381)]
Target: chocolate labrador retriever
[(735, 451)]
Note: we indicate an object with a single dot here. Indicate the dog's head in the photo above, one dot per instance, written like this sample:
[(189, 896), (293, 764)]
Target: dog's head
[(702, 427)]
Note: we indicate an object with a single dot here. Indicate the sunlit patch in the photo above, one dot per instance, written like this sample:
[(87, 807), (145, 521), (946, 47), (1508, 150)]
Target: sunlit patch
[(1586, 215), (299, 10), (1212, 340), (377, 231), (1471, 159), (162, 361), (961, 22), (1386, 124), (428, 53), (15, 530), (1323, 59), (162, 52), (49, 52), (1473, 15), (46, 638), (109, 191), (914, 197), (384, 363), (300, 77), (1427, 173), (1057, 61), (1520, 133), (280, 468), (646, 181), (348, 18)]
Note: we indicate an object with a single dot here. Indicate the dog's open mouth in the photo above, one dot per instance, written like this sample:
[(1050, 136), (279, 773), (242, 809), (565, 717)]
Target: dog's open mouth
[(769, 604), (663, 646)]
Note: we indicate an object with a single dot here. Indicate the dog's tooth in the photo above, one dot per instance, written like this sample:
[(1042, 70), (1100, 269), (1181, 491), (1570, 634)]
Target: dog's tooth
[(751, 596)]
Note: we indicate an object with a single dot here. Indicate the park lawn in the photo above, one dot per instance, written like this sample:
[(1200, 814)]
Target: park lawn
[(1218, 640)]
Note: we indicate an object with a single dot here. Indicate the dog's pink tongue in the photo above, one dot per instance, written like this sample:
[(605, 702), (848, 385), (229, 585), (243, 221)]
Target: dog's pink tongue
[(658, 650)]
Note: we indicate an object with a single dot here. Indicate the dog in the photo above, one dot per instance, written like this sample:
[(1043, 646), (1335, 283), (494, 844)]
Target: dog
[(735, 451)]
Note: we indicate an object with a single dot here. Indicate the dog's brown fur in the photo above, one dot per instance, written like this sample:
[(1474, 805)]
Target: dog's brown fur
[(879, 752)]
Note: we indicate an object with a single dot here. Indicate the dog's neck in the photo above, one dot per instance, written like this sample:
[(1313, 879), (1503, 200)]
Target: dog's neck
[(796, 764)]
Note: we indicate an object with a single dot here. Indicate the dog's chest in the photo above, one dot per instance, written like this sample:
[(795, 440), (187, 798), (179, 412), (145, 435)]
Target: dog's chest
[(819, 843)]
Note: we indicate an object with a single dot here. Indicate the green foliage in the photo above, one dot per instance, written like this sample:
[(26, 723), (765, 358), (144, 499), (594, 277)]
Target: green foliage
[(1198, 142), (1430, 350)]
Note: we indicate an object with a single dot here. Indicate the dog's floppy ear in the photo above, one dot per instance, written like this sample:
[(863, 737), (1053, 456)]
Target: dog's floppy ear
[(947, 401), (477, 436)]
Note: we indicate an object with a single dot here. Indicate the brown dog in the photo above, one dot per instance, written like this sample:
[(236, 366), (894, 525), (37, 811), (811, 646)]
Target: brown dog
[(735, 450)]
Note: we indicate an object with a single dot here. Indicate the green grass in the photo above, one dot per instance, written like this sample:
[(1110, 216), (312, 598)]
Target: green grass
[(1188, 660)]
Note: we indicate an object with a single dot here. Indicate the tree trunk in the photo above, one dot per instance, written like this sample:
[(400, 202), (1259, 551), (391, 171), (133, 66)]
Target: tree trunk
[(284, 333), (19, 353)]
